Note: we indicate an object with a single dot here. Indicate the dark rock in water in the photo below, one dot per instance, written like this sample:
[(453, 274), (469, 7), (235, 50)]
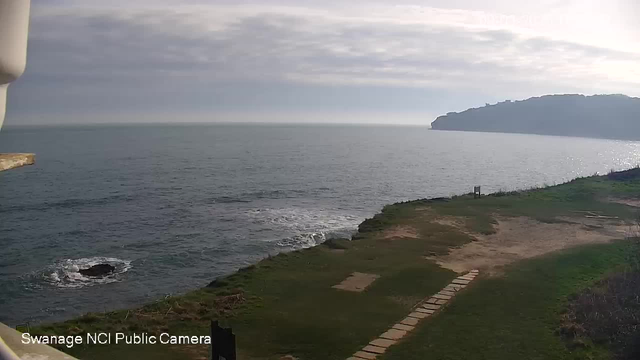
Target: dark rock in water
[(98, 270)]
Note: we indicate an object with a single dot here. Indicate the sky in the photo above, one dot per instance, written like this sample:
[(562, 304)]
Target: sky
[(356, 61)]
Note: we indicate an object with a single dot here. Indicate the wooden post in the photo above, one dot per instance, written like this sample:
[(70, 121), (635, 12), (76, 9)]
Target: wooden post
[(223, 343), (476, 192)]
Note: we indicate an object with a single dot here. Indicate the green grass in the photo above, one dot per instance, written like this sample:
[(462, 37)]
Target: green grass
[(515, 316), (285, 304)]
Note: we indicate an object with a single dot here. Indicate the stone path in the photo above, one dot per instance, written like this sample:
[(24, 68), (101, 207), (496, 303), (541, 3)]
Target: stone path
[(429, 308)]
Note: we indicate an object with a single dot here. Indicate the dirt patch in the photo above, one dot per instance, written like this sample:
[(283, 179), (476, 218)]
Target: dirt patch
[(522, 237), (400, 232), (628, 202), (357, 282)]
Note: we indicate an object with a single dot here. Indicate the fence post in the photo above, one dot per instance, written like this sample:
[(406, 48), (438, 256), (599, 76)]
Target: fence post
[(223, 343)]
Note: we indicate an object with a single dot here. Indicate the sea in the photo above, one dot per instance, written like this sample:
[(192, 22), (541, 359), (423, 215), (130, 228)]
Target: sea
[(172, 207)]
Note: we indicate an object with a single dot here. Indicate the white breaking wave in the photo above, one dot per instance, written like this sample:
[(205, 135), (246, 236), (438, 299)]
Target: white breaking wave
[(66, 273), (305, 228)]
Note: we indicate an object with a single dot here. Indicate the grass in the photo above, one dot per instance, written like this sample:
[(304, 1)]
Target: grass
[(515, 316), (284, 305)]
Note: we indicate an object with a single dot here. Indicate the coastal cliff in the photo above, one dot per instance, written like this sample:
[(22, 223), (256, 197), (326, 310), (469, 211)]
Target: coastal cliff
[(599, 116)]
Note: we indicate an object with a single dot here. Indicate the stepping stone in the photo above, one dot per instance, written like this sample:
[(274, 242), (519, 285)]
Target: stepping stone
[(441, 302), (364, 355), (447, 292), (357, 282), (466, 278), (460, 282), (452, 288), (423, 310), (384, 343), (474, 271), (442, 297), (431, 306), (396, 333), (399, 327), (374, 349), (409, 321), (432, 301), (354, 358), (418, 315)]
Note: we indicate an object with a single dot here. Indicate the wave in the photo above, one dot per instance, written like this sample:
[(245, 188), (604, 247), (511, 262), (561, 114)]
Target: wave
[(65, 273), (67, 204), (263, 194), (305, 227)]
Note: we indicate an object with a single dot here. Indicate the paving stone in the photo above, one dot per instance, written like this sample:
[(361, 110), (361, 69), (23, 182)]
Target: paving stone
[(354, 358), (452, 288), (460, 282), (374, 349), (432, 301), (441, 302), (474, 271), (470, 278), (442, 297), (402, 327), (447, 292), (431, 306), (409, 321), (364, 355), (418, 315), (384, 343), (396, 334), (423, 310)]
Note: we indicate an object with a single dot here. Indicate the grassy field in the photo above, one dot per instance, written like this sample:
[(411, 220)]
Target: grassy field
[(285, 305)]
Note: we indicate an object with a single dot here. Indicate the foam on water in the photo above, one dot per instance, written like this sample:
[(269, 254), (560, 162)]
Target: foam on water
[(65, 273), (305, 227)]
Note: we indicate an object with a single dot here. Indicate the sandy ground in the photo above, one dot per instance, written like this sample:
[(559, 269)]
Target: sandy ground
[(522, 237), (400, 232), (628, 202), (357, 282)]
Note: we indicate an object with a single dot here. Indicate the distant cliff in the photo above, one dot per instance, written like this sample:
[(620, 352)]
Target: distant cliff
[(601, 116)]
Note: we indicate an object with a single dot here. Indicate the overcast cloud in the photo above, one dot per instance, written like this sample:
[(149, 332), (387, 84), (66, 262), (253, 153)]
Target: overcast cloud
[(320, 61)]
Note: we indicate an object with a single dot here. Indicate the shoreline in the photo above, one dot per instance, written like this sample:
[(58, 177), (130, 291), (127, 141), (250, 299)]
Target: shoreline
[(288, 297)]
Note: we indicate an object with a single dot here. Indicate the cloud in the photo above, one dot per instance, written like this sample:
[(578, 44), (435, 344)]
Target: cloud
[(101, 56)]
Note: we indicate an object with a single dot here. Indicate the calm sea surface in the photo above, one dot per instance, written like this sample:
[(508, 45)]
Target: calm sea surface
[(173, 207)]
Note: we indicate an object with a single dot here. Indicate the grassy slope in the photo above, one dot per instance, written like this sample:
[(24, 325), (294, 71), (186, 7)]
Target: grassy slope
[(515, 316), (285, 304)]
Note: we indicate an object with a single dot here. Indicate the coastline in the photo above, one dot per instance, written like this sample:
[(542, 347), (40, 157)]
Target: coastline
[(408, 245)]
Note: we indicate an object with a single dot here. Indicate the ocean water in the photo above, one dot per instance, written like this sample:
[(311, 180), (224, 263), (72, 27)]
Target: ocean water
[(173, 207)]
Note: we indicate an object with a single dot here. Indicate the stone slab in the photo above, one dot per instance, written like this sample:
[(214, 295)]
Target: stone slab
[(384, 343), (409, 321), (402, 327), (374, 349), (432, 301), (423, 310), (364, 355), (357, 282), (447, 292), (431, 306), (470, 278), (460, 282), (418, 315), (395, 334), (442, 297), (474, 271), (441, 302)]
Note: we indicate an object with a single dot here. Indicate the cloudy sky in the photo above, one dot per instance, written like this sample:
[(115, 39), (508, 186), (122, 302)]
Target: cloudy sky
[(390, 61)]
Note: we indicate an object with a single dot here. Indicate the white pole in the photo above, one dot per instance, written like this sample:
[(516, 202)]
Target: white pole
[(14, 29)]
